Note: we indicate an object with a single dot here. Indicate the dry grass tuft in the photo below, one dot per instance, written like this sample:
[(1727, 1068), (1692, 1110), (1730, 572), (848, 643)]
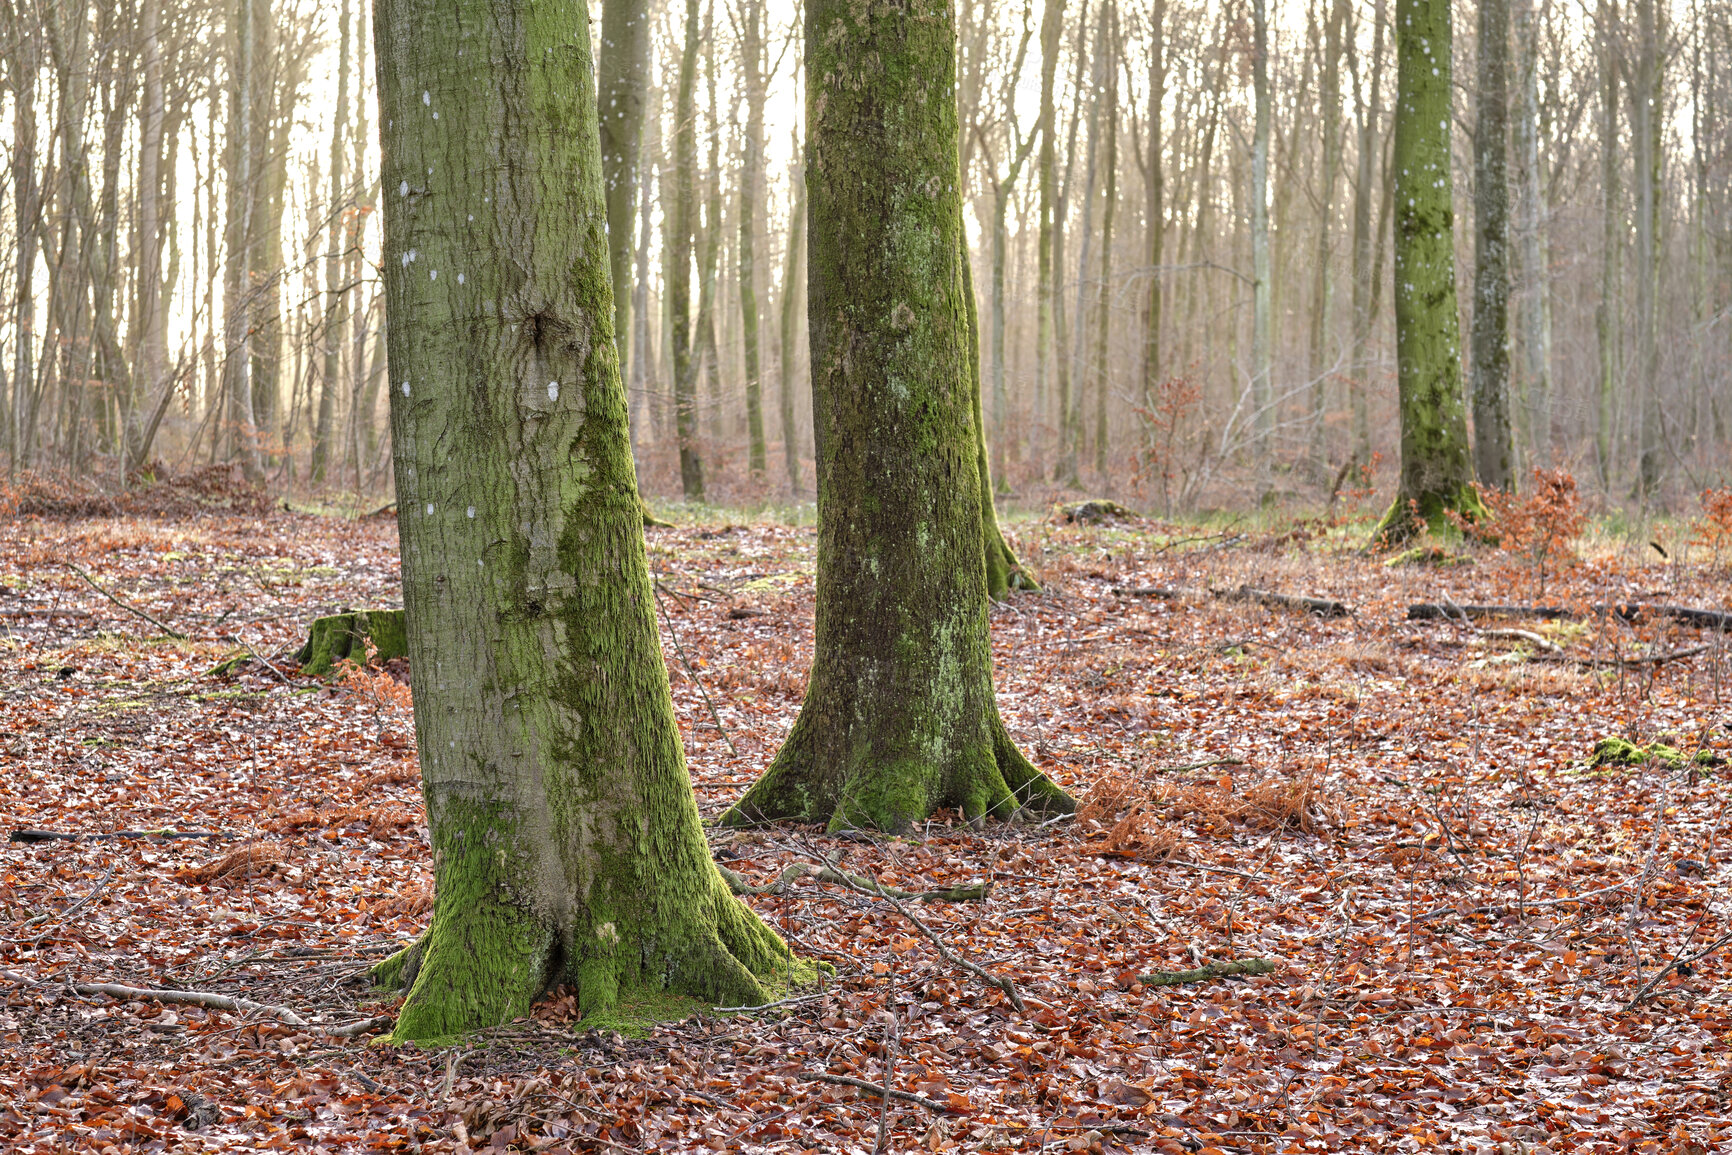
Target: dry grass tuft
[(1132, 803), (233, 866)]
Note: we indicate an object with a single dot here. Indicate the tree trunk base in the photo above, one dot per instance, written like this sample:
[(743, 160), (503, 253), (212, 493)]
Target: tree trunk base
[(1410, 515), (990, 780)]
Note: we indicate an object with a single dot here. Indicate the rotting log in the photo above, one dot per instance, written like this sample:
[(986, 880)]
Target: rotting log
[(1217, 970), (332, 638)]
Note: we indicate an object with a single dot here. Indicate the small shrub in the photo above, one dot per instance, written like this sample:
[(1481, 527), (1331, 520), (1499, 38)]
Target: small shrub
[(1715, 528), (1543, 525)]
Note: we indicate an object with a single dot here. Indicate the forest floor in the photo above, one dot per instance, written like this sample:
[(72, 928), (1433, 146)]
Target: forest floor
[(1471, 925)]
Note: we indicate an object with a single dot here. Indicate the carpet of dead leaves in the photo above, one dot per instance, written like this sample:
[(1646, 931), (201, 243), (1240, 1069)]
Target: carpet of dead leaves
[(1467, 920)]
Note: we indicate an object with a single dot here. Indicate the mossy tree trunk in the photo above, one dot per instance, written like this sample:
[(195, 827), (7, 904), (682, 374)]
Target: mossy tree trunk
[(566, 839), (1436, 468), (1493, 444), (899, 718)]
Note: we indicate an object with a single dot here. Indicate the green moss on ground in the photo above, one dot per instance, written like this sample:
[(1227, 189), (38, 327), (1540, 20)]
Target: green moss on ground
[(1621, 752)]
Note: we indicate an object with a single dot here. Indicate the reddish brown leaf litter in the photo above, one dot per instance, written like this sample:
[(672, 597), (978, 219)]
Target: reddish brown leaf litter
[(1399, 812)]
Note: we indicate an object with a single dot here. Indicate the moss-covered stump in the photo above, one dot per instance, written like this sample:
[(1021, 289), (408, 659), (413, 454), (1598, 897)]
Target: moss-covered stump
[(338, 636)]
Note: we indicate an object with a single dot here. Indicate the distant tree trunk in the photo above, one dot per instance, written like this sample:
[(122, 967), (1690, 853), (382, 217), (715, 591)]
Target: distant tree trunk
[(1493, 448), (1436, 468), (150, 320), (21, 434), (1262, 304), (622, 68), (1104, 293), (1323, 285), (751, 185), (1155, 219), (1071, 381), (679, 244), (1046, 170), (276, 90), (1367, 271), (1608, 315), (1648, 125), (1064, 463), (709, 256), (788, 331), (336, 296), (237, 243), (899, 717), (1535, 299), (566, 840)]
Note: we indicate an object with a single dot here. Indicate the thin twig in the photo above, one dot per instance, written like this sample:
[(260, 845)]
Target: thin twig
[(95, 892), (258, 657), (681, 650), (157, 622), (1674, 965), (876, 890), (862, 1084), (769, 1006), (894, 1030)]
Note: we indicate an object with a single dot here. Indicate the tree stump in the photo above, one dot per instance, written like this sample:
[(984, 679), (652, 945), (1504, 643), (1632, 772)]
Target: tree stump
[(331, 639)]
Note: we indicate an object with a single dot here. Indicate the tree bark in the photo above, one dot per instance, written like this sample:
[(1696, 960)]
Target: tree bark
[(1493, 446), (622, 68), (1104, 292), (567, 844), (681, 227), (1647, 94), (1323, 287), (788, 331), (1534, 302), (1154, 219), (899, 717), (237, 243), (751, 193), (1046, 172), (336, 296), (1367, 277), (1262, 324), (1608, 321), (1436, 469)]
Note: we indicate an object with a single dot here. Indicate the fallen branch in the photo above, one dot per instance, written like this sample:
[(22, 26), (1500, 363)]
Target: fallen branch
[(1324, 607), (1528, 636), (211, 1001), (1649, 660), (1218, 970), (965, 892), (779, 1003), (1196, 765), (29, 835), (1626, 611), (157, 622), (1165, 593), (876, 1089), (1683, 961)]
